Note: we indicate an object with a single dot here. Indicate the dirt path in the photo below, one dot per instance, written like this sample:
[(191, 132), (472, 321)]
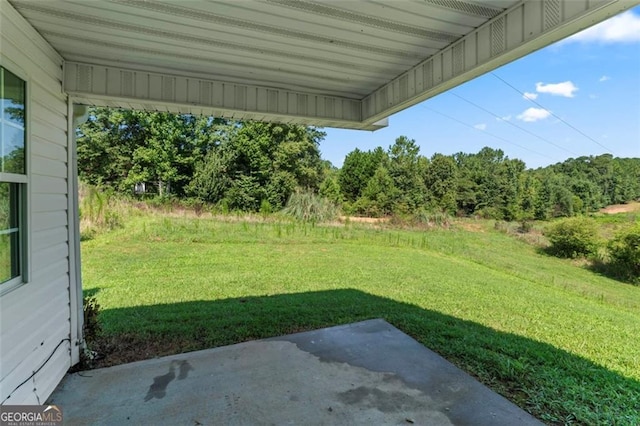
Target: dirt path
[(621, 208)]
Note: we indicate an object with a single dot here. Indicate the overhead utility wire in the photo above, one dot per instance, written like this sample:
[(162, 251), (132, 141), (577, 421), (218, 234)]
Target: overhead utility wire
[(562, 120), (513, 124), (484, 131)]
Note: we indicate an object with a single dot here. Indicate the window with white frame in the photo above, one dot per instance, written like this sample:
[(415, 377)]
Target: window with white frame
[(13, 178)]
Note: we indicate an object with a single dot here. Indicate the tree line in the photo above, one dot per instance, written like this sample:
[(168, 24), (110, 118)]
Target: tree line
[(247, 165), (488, 183), (214, 160)]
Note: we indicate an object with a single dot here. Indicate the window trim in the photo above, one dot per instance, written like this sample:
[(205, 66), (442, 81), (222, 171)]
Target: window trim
[(21, 279), (13, 178), (24, 181), (18, 280)]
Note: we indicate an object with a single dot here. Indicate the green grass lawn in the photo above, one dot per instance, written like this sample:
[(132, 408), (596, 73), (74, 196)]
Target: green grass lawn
[(558, 340)]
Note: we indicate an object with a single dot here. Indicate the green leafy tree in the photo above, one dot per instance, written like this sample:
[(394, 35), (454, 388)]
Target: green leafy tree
[(441, 181), (380, 196), (407, 171), (119, 148), (259, 161), (330, 189), (245, 194), (529, 196), (592, 182), (489, 184), (357, 169), (246, 164), (211, 179), (510, 172)]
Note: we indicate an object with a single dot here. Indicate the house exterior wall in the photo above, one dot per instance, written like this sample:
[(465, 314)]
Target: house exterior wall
[(36, 346)]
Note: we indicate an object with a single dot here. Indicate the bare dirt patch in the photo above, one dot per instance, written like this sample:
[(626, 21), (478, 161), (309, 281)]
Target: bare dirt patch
[(125, 348), (621, 208), (356, 219), (471, 226)]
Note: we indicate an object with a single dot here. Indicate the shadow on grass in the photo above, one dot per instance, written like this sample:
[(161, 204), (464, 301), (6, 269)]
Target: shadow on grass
[(548, 382), (615, 271), (92, 292), (553, 252)]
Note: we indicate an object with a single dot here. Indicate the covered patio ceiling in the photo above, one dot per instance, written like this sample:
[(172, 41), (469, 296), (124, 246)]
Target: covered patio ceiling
[(343, 64)]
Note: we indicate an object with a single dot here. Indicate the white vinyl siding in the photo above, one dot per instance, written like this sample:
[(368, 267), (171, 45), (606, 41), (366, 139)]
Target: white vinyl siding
[(35, 317)]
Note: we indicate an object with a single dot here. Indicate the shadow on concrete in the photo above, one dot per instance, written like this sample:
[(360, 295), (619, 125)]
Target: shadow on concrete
[(550, 383)]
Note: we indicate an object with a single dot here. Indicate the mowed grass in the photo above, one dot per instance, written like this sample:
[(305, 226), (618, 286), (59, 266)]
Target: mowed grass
[(555, 338)]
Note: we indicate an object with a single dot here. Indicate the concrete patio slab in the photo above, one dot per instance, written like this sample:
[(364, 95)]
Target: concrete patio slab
[(364, 373)]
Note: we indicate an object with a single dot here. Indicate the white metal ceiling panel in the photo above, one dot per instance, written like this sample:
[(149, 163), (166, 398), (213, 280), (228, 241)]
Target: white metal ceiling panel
[(340, 63)]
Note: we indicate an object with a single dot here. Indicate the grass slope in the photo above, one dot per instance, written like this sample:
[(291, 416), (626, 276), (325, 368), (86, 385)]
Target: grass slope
[(558, 340)]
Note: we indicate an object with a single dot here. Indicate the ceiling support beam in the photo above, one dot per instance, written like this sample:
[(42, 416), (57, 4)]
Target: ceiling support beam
[(520, 30), (101, 85)]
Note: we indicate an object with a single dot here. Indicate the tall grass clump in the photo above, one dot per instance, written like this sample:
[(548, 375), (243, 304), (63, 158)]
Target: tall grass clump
[(309, 207), (434, 218), (99, 211), (421, 219)]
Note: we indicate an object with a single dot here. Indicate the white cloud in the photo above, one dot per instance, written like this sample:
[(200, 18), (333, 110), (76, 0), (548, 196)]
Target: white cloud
[(505, 118), (534, 114), (624, 28), (481, 126), (532, 96), (604, 78), (566, 88)]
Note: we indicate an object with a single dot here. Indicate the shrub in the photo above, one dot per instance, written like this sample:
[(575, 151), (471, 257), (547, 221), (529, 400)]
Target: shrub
[(526, 226), (573, 237), (489, 213), (363, 206), (265, 208), (624, 250)]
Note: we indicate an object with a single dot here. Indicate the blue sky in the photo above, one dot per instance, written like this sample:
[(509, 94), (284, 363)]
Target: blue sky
[(591, 81)]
